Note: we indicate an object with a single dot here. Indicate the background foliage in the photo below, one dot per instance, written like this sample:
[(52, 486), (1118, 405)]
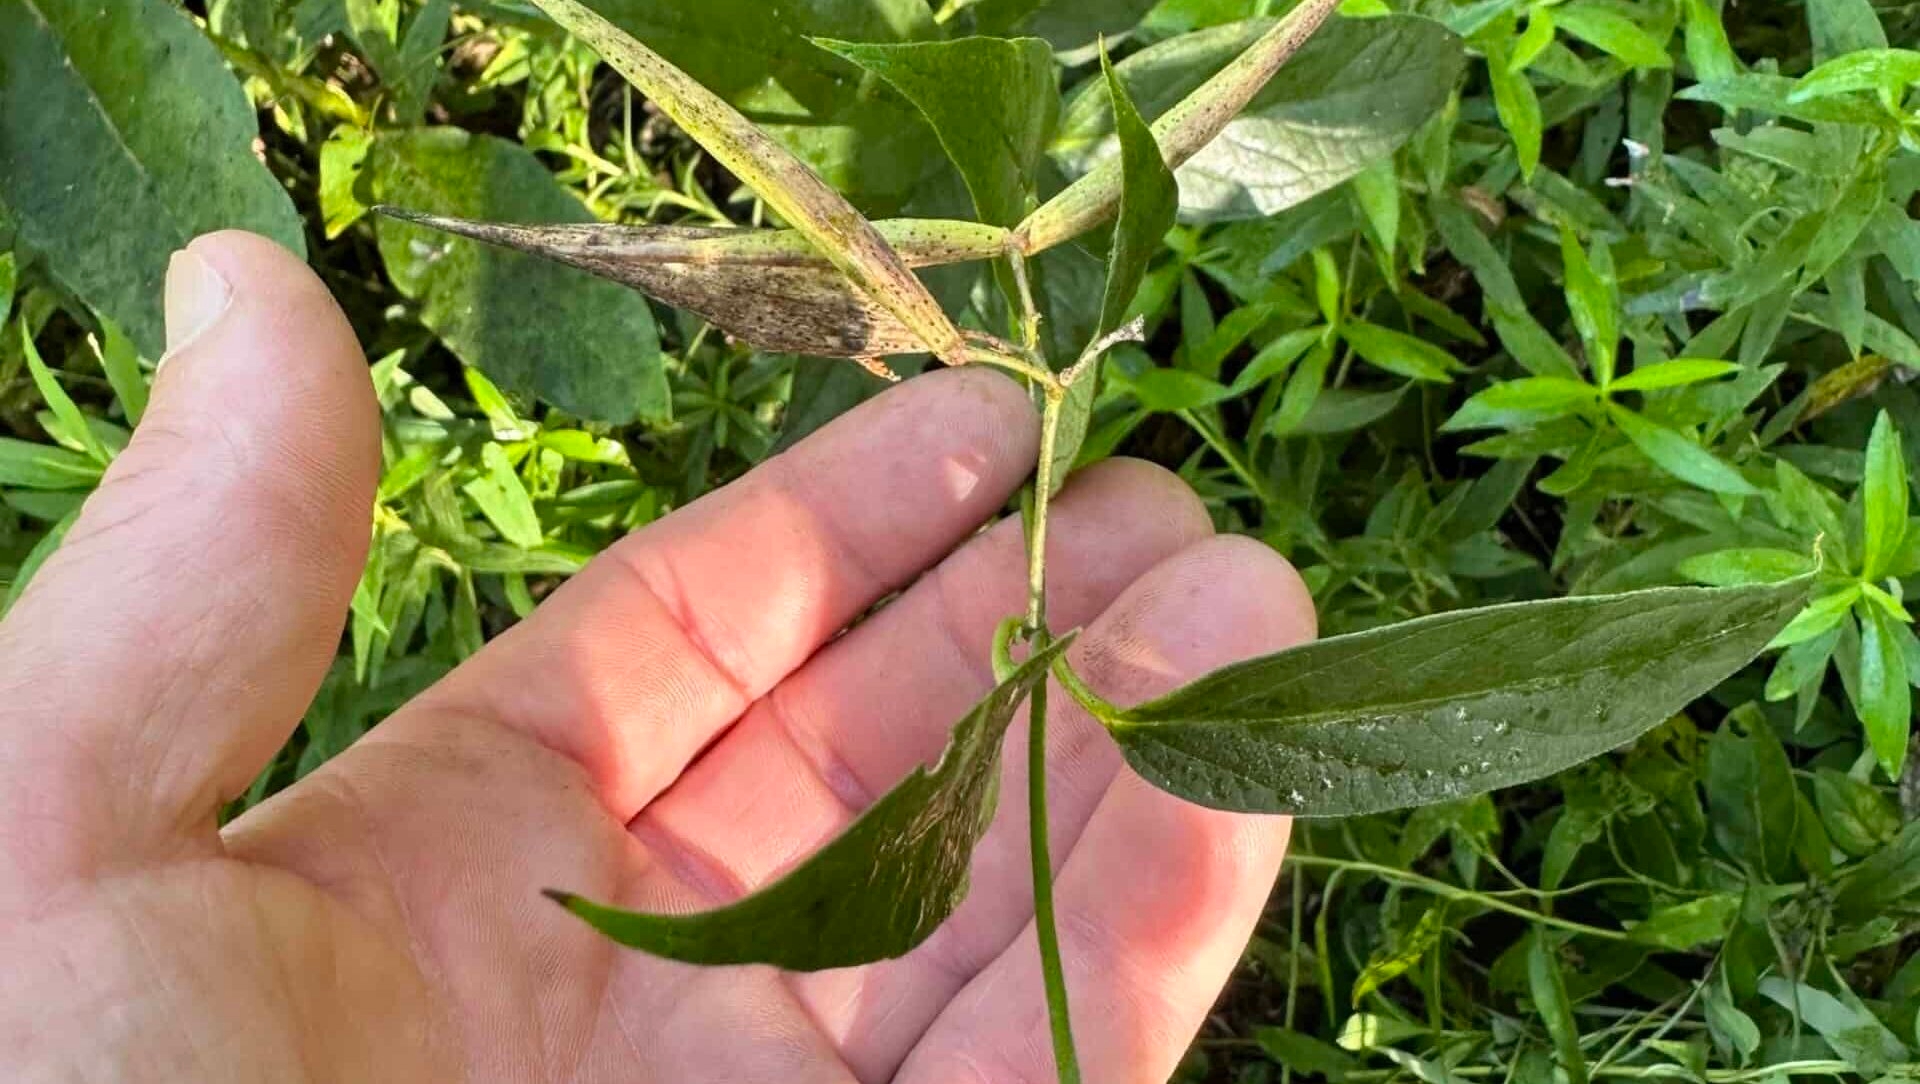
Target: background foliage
[(1479, 301)]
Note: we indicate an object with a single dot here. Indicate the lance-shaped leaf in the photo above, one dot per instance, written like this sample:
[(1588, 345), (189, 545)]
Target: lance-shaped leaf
[(1446, 706), (1181, 130), (995, 130), (1148, 200), (786, 183), (875, 892), (770, 288)]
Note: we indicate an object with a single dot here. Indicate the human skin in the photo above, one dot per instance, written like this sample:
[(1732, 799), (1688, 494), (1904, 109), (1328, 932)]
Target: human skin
[(675, 726)]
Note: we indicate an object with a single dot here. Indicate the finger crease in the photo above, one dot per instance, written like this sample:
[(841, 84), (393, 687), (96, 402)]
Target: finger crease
[(832, 769)]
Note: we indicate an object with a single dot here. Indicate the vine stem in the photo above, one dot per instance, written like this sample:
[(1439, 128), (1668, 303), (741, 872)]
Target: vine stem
[(1453, 892), (1046, 932)]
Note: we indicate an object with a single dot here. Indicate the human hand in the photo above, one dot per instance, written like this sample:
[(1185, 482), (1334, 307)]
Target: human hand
[(675, 726)]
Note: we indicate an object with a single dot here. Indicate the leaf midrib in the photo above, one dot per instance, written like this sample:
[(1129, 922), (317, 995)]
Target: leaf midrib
[(1411, 706)]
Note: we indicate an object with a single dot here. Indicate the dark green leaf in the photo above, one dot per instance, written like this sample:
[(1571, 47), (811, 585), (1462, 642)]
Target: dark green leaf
[(123, 138), (1843, 26), (1306, 1054), (1068, 24), (1747, 776), (1348, 98), (1169, 390), (1446, 706), (994, 132), (36, 557), (1343, 410), (1149, 198), (872, 146), (1734, 1032), (1303, 390), (587, 346), (876, 891), (1887, 880)]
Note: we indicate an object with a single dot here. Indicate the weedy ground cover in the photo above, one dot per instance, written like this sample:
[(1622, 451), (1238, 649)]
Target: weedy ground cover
[(1565, 347)]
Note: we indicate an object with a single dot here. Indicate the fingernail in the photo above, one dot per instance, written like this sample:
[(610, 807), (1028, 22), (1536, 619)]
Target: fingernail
[(196, 299)]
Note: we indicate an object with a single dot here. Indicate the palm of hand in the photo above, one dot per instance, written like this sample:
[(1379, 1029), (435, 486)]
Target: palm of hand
[(667, 732)]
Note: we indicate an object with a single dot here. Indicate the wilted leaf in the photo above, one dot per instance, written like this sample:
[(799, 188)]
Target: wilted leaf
[(873, 893), (792, 189), (122, 138), (1446, 706), (769, 288), (588, 347)]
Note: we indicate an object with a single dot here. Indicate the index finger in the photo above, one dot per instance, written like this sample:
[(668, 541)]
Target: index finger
[(645, 657)]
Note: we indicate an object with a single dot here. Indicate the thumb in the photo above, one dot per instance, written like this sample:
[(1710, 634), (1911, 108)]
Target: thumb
[(165, 651)]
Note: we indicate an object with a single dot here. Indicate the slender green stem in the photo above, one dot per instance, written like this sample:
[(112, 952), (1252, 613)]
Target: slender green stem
[(1454, 892), (1235, 461), (1045, 380), (1047, 933), (1066, 1060)]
